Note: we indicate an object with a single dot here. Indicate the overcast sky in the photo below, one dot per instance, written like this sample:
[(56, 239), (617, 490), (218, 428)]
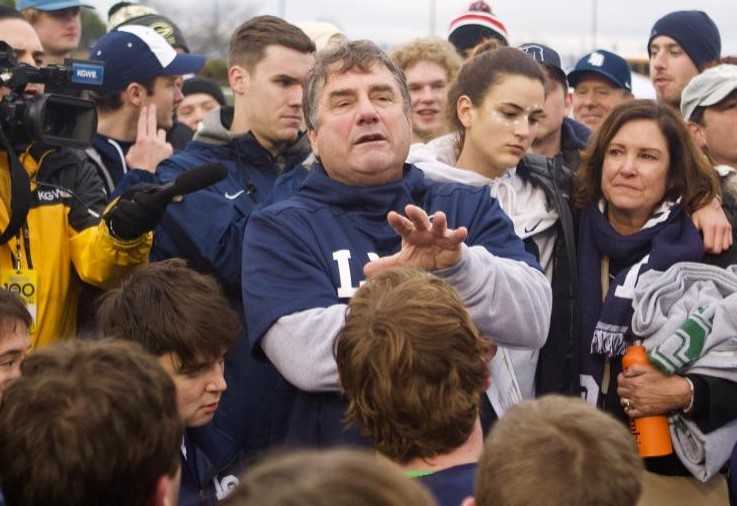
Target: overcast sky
[(567, 25)]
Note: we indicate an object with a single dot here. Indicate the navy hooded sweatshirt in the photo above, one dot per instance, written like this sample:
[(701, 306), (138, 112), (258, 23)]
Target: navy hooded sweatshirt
[(309, 251)]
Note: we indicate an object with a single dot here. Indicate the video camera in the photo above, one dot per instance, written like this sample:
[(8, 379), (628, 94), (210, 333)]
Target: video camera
[(57, 117)]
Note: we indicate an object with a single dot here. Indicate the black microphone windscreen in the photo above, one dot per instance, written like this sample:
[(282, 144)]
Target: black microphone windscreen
[(199, 178)]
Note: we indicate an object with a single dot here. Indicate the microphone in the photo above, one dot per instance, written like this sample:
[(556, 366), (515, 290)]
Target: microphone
[(192, 181), (141, 207)]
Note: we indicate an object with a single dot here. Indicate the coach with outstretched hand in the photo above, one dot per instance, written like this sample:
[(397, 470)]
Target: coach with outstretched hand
[(362, 210)]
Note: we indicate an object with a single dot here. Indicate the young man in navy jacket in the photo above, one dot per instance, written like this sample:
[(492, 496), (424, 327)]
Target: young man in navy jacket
[(259, 138), (363, 210)]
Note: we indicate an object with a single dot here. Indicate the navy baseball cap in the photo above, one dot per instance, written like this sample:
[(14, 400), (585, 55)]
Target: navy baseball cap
[(50, 5), (134, 53), (547, 56), (606, 64)]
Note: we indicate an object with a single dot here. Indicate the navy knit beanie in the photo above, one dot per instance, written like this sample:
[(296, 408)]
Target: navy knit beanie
[(694, 31), (203, 85)]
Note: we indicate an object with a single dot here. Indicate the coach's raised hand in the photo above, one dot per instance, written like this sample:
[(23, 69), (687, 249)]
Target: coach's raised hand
[(427, 242)]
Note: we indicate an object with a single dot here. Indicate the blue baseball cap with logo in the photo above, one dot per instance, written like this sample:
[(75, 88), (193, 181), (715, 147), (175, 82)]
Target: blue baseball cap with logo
[(606, 64), (50, 5), (547, 56), (134, 53)]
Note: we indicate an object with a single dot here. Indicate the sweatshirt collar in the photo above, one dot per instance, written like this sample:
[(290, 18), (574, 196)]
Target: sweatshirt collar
[(574, 135), (372, 199)]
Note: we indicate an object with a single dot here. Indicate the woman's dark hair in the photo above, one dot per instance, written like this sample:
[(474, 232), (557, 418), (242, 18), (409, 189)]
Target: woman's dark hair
[(480, 73), (690, 176)]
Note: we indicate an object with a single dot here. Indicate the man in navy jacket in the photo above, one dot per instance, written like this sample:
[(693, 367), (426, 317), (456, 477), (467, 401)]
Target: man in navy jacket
[(363, 210), (257, 139)]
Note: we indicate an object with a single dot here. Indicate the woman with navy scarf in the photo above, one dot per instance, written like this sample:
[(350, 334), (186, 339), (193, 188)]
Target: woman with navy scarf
[(641, 178)]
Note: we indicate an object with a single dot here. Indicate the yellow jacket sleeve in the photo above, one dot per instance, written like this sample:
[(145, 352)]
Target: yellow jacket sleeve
[(102, 260)]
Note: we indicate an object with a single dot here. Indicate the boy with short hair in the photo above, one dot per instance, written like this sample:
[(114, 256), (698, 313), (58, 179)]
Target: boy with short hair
[(182, 317)]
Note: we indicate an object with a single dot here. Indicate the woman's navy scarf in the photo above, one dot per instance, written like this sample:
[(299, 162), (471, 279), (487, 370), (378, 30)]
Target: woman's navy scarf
[(668, 237)]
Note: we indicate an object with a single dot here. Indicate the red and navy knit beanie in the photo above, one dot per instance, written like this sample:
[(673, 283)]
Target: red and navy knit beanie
[(476, 24), (694, 31)]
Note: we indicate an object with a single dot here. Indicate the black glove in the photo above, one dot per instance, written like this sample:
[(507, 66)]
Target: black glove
[(137, 211)]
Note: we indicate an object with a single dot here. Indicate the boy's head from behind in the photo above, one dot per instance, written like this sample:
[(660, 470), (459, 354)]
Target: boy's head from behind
[(558, 450), (90, 423), (412, 364)]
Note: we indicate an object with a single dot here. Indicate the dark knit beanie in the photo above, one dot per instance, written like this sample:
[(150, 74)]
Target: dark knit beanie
[(694, 31), (203, 85)]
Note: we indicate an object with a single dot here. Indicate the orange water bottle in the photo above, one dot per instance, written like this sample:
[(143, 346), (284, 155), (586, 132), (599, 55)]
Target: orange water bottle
[(651, 432)]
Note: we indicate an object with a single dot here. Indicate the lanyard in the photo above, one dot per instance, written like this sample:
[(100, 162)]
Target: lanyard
[(607, 374), (23, 235)]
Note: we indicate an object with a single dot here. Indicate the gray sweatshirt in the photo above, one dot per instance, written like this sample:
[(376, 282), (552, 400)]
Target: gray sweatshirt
[(507, 299)]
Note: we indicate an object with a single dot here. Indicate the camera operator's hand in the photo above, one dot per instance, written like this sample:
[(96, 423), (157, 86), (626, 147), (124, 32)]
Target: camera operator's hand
[(137, 211), (151, 147)]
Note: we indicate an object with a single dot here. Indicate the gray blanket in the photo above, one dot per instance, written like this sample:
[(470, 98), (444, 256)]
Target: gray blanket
[(687, 318)]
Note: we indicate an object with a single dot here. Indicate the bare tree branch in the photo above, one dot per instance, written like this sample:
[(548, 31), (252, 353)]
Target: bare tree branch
[(208, 24)]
